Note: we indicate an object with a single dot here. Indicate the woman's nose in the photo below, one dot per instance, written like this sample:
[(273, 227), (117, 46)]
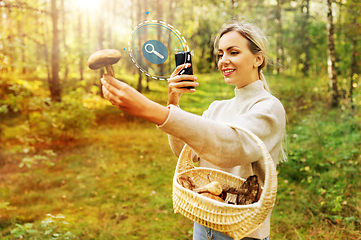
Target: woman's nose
[(224, 59)]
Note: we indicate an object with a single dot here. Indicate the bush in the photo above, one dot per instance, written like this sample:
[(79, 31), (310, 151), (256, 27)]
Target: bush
[(44, 120), (47, 120), (68, 118), (53, 227), (325, 157)]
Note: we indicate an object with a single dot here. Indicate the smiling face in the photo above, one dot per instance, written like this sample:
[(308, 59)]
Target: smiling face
[(237, 63)]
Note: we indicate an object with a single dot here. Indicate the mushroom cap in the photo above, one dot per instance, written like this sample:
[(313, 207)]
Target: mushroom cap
[(103, 57)]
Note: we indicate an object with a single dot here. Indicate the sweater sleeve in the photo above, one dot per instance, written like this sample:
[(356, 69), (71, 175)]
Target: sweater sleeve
[(177, 144), (222, 145)]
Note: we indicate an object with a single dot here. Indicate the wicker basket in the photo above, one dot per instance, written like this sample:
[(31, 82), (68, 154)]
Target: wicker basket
[(237, 221)]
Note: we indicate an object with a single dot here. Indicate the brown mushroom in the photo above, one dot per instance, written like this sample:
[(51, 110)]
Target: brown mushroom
[(104, 58), (214, 188), (186, 182)]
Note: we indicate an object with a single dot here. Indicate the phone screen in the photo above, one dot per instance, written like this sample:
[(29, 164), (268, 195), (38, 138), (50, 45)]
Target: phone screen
[(184, 57)]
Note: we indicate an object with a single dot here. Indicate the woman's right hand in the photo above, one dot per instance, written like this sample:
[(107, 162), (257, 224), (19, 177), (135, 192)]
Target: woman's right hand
[(177, 84)]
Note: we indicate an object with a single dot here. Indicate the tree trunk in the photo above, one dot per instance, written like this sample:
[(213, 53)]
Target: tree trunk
[(63, 22), (170, 17), (139, 88), (45, 48), (306, 63), (147, 89), (332, 71), (10, 50), (81, 47), (88, 31), (159, 17), (54, 83), (280, 54), (100, 45), (356, 26), (21, 33), (353, 68)]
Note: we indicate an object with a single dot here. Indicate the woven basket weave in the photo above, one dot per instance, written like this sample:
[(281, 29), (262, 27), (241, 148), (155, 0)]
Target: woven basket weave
[(237, 221)]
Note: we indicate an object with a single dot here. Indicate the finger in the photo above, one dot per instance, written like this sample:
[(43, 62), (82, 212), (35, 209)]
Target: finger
[(107, 95), (111, 88), (184, 90), (180, 78), (184, 84), (180, 68), (112, 81), (110, 96)]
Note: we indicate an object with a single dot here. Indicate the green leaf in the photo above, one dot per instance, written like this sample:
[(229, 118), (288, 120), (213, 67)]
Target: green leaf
[(4, 205), (28, 225), (32, 231), (19, 226)]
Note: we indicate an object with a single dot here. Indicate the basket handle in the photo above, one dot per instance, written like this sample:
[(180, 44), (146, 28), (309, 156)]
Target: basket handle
[(185, 161)]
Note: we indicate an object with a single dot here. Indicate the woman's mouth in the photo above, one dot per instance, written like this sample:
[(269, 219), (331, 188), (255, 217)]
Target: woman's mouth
[(227, 72)]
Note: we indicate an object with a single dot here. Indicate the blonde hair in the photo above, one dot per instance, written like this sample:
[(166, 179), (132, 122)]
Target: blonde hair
[(257, 43)]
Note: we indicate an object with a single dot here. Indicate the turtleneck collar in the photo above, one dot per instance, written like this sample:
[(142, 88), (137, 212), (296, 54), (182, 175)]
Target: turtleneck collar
[(249, 91)]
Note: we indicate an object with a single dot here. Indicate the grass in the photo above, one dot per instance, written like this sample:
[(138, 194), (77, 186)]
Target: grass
[(115, 181), (116, 184)]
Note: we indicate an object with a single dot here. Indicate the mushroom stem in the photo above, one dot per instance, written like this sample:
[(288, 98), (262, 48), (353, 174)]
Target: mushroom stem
[(109, 69)]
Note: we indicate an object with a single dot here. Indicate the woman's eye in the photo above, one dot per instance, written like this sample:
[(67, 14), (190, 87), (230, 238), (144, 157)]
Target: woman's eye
[(220, 55), (234, 53)]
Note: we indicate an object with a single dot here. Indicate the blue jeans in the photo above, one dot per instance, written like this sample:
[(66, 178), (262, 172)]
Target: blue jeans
[(203, 233)]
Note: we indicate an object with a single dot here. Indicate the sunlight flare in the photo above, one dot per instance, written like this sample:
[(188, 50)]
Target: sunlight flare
[(88, 4)]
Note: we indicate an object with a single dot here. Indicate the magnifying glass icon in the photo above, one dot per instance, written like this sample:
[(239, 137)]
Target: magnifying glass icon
[(152, 50)]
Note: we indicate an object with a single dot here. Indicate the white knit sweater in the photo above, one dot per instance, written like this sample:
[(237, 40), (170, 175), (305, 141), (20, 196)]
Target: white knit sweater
[(221, 147)]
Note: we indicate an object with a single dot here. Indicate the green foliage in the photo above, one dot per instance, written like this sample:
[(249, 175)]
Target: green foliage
[(44, 120), (56, 227), (68, 117), (29, 161), (325, 157), (47, 120), (4, 205), (53, 227), (296, 34), (23, 230)]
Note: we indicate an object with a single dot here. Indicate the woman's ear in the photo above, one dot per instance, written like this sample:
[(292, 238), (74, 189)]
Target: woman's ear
[(258, 60)]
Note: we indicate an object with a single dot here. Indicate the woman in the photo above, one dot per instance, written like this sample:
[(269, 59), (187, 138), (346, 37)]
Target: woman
[(242, 52)]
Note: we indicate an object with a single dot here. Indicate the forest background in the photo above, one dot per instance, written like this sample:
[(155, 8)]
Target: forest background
[(74, 167)]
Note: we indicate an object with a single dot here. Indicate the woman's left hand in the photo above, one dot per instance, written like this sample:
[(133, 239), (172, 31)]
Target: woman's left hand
[(129, 100)]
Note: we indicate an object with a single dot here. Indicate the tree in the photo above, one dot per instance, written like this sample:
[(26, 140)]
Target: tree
[(81, 44), (54, 84), (354, 12), (140, 13), (279, 35), (305, 25), (332, 70), (64, 43)]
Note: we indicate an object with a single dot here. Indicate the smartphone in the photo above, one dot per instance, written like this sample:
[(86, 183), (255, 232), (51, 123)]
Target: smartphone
[(182, 58)]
